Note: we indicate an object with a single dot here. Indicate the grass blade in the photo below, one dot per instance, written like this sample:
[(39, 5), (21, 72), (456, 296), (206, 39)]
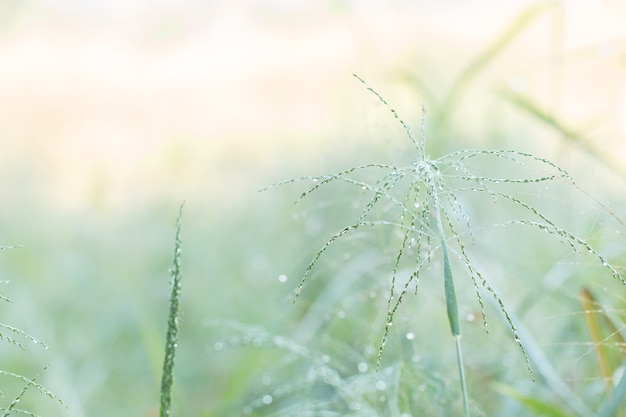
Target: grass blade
[(485, 57), (452, 308), (610, 406)]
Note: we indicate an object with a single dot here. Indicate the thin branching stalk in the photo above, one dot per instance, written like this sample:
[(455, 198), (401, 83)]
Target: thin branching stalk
[(171, 340)]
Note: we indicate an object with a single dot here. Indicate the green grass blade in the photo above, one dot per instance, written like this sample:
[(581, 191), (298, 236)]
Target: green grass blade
[(452, 308), (485, 57), (448, 282), (171, 339), (538, 406), (610, 406), (544, 368)]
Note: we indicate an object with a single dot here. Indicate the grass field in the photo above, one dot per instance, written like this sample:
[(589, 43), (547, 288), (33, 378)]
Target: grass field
[(102, 144)]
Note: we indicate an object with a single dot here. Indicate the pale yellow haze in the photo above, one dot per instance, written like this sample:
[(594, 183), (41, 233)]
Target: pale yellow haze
[(103, 104)]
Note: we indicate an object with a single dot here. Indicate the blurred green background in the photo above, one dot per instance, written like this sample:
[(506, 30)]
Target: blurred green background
[(113, 113)]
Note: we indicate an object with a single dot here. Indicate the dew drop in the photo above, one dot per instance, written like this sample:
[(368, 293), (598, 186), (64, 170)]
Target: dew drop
[(517, 84), (363, 187), (605, 50), (362, 367), (267, 399), (381, 385), (341, 314), (325, 358), (266, 380), (282, 278), (470, 317), (410, 336)]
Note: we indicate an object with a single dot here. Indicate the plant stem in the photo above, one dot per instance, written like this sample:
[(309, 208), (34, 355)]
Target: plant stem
[(451, 306), (459, 359), (167, 379)]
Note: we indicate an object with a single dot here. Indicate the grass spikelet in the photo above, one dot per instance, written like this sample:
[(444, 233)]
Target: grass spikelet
[(171, 339)]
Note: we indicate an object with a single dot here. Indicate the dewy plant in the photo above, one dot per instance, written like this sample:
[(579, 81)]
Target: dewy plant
[(428, 212), (171, 338)]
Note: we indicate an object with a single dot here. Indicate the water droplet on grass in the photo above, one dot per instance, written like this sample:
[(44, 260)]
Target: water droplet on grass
[(267, 399), (410, 336), (381, 385), (282, 278), (362, 367)]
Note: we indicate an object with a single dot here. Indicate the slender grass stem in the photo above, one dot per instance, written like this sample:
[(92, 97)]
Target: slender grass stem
[(459, 359), (167, 379), (452, 306)]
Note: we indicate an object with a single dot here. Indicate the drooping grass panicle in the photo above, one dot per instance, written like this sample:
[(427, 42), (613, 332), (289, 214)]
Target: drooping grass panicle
[(20, 333), (171, 339), (29, 383), (17, 399), (407, 129), (257, 336)]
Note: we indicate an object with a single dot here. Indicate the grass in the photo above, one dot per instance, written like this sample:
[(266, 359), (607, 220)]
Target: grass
[(485, 222), (171, 339), (17, 338), (430, 216)]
